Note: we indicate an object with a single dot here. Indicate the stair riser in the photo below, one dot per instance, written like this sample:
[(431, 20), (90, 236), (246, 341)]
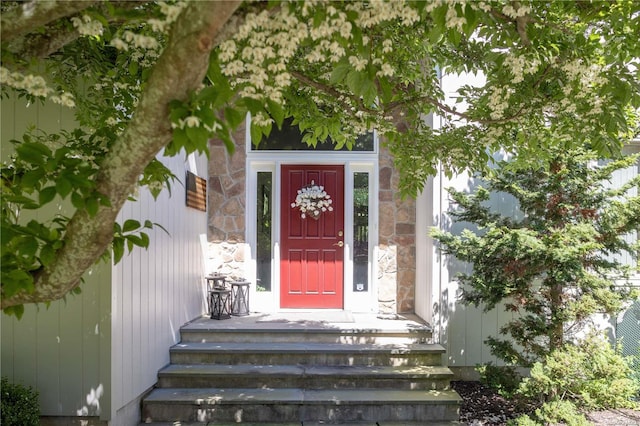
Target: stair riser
[(328, 413), (267, 337), (325, 382), (317, 359)]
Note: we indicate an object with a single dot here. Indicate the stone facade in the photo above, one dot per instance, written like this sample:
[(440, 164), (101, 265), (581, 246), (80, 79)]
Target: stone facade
[(226, 237), (397, 242), (226, 193)]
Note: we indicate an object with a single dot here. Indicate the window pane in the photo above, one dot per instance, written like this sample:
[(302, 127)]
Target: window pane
[(361, 231), (289, 138), (264, 222)]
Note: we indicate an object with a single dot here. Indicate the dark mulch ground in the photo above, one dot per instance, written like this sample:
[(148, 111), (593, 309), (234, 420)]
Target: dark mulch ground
[(482, 406)]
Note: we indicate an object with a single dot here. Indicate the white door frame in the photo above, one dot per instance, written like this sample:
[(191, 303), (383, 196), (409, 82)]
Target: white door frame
[(271, 161)]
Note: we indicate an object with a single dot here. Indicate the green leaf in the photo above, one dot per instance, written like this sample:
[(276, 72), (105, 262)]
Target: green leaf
[(133, 67), (233, 116), (63, 186), (386, 90), (47, 255), (369, 92), (145, 240), (77, 200), (228, 141), (276, 112), (472, 18), (454, 36), (118, 249), (26, 202), (33, 152), (355, 81), (180, 140), (130, 225), (199, 137), (178, 111), (208, 93), (46, 195), (15, 281), (104, 201), (339, 73), (92, 205), (51, 165), (31, 178), (207, 116), (254, 106), (256, 134), (17, 310), (28, 246)]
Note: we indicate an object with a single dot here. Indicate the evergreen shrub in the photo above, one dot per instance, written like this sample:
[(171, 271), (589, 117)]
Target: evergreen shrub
[(19, 405), (589, 375)]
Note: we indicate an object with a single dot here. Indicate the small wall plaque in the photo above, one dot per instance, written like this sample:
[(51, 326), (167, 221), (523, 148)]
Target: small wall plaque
[(196, 192)]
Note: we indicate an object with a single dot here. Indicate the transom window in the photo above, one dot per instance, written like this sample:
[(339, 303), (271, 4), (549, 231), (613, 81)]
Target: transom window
[(289, 138)]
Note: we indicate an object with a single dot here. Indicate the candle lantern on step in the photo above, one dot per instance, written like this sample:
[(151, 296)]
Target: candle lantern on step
[(220, 303), (240, 298)]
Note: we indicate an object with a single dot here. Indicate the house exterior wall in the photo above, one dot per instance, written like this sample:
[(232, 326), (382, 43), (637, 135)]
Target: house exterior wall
[(155, 291), (228, 250), (61, 350), (93, 355)]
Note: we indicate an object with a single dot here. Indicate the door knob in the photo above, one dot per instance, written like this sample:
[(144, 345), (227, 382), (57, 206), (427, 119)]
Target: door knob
[(339, 244)]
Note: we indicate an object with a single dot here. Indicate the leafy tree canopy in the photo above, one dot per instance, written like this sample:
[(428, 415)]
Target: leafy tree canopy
[(145, 76)]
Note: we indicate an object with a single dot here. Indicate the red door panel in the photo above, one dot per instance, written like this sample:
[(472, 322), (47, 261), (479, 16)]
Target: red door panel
[(312, 256)]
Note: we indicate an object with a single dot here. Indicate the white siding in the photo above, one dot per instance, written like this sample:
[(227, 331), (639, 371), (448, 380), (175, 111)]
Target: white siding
[(83, 357), (461, 329), (61, 350), (156, 291)]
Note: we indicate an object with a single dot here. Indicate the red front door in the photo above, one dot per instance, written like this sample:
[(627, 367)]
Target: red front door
[(311, 251)]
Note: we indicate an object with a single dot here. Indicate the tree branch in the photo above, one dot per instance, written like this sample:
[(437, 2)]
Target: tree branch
[(331, 92), (54, 36), (179, 71), (36, 14)]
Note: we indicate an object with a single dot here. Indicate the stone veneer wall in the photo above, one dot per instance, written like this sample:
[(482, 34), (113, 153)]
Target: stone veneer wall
[(397, 242), (226, 230), (226, 224)]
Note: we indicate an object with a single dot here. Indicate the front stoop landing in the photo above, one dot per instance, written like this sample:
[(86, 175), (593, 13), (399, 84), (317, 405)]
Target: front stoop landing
[(242, 371)]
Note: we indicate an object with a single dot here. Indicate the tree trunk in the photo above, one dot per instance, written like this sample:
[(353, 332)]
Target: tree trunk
[(556, 326)]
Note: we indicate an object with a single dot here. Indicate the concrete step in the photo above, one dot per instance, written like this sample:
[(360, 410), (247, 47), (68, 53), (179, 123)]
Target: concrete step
[(390, 332), (295, 405), (304, 377), (326, 336), (307, 423), (318, 354)]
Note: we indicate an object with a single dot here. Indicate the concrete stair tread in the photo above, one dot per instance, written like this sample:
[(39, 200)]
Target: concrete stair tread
[(308, 423), (215, 396), (300, 370), (275, 323), (305, 347), (310, 329)]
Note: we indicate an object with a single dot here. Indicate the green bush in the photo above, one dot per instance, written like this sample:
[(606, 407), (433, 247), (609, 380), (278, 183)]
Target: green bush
[(505, 380), (590, 375), (19, 405), (554, 412), (635, 374)]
